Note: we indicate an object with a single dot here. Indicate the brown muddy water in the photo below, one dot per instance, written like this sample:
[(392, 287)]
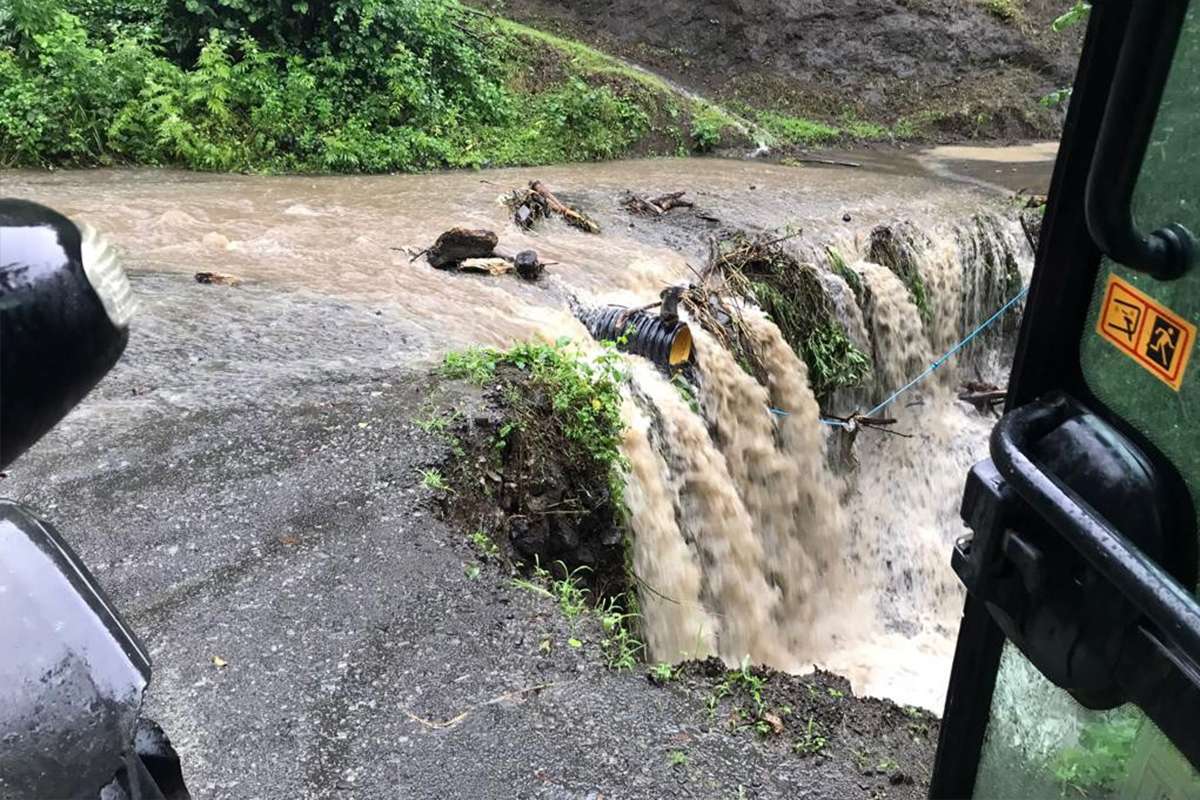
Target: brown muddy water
[(753, 546)]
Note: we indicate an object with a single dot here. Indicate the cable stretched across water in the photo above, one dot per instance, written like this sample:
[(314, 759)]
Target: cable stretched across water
[(932, 367)]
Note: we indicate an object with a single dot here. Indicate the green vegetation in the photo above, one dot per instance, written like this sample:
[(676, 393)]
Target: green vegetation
[(677, 758), (619, 643), (622, 649), (484, 544), (1072, 16), (585, 394), (432, 479), (1102, 756), (319, 85), (838, 264), (793, 295), (1003, 10), (746, 690), (797, 131), (708, 126), (805, 318), (662, 672), (812, 739)]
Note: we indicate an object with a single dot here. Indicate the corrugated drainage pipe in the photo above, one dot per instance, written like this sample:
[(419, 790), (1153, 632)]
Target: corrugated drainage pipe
[(666, 344)]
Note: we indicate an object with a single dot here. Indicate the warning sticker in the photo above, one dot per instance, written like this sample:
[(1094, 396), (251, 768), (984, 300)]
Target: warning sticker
[(1155, 337)]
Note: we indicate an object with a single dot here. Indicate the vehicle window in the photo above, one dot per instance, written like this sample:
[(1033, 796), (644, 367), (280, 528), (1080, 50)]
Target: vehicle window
[(1135, 355)]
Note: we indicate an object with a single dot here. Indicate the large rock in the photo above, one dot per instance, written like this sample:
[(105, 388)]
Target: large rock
[(458, 244)]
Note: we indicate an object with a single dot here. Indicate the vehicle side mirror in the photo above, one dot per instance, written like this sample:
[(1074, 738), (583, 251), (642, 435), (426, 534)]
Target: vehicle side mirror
[(65, 306)]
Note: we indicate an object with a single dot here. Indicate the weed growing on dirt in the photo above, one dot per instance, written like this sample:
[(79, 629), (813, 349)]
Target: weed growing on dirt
[(622, 649), (341, 86), (746, 690), (662, 672), (677, 758), (571, 596), (812, 739), (484, 544), (708, 124), (432, 479), (620, 645)]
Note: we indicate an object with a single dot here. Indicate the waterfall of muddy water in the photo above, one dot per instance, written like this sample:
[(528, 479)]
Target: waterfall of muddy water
[(899, 348), (743, 542)]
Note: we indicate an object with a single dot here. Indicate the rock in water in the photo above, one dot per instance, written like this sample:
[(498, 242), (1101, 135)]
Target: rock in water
[(458, 244), (528, 265)]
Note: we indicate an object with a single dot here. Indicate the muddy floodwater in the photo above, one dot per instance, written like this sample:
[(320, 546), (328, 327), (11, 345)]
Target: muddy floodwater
[(747, 524)]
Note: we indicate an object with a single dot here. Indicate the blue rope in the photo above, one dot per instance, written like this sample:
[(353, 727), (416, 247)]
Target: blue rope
[(932, 367)]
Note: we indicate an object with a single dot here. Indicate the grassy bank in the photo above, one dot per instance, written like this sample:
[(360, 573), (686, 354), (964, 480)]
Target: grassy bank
[(320, 86)]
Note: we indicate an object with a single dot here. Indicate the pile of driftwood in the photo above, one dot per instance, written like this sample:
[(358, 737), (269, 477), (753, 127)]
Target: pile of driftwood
[(538, 202), (474, 250)]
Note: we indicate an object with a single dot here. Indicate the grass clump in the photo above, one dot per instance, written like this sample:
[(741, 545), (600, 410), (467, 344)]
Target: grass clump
[(797, 131), (433, 479)]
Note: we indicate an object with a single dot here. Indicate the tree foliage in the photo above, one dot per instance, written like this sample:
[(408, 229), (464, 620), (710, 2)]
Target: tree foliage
[(283, 85)]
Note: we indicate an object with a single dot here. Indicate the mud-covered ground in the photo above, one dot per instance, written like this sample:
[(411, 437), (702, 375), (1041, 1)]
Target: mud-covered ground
[(246, 484), (956, 68)]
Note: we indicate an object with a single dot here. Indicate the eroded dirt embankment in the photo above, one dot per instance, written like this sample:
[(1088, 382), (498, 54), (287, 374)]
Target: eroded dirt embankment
[(954, 68)]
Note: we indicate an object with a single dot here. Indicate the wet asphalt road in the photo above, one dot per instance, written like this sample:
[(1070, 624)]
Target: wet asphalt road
[(245, 485)]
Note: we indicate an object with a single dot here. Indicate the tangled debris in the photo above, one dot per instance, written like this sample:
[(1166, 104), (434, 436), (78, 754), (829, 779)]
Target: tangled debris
[(538, 202), (792, 294), (655, 206)]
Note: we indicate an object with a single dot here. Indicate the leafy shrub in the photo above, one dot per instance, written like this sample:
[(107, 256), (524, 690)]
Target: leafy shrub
[(707, 125), (275, 85)]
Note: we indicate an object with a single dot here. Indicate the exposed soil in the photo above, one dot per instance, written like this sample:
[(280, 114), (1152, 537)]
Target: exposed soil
[(952, 68), (515, 476)]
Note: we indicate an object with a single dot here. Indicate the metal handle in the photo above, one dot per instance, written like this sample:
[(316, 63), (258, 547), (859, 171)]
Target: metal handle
[(1163, 600), (1142, 69)]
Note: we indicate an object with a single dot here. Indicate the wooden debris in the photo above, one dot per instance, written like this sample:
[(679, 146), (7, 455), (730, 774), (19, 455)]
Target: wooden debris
[(832, 162), (217, 278), (538, 202), (656, 206), (487, 266), (459, 244), (857, 420), (986, 397), (528, 266)]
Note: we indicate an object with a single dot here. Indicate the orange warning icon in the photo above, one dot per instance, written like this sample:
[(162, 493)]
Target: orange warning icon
[(1159, 340)]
